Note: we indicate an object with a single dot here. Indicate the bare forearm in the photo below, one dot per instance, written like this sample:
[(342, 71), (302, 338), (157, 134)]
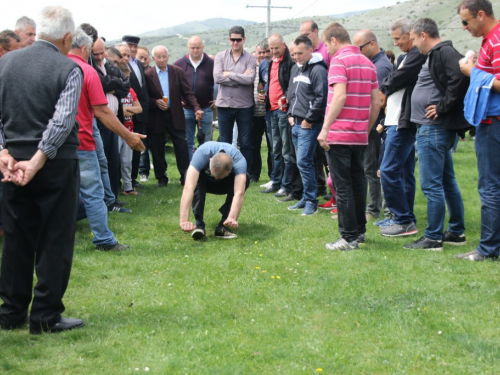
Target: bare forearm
[(238, 199), (496, 85), (186, 201)]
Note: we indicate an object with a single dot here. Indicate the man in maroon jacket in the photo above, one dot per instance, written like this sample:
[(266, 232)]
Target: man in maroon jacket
[(199, 71), (167, 88)]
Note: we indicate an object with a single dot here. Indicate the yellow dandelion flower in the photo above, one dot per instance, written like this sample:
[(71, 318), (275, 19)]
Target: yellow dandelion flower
[(260, 255), (264, 271), (278, 277), (272, 277), (257, 268), (156, 271), (256, 242), (319, 370)]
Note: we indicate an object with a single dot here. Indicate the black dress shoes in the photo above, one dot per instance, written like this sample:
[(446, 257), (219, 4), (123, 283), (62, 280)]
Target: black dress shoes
[(11, 326), (65, 324)]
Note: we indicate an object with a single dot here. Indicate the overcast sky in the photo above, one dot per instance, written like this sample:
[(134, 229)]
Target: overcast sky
[(115, 18)]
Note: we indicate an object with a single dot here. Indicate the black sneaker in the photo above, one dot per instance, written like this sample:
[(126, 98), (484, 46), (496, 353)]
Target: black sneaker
[(269, 190), (224, 232), (424, 243), (361, 239), (288, 198), (452, 239), (198, 234), (120, 203), (113, 207), (116, 247)]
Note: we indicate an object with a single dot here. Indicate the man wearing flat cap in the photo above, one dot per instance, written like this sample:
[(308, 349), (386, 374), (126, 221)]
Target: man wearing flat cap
[(138, 83)]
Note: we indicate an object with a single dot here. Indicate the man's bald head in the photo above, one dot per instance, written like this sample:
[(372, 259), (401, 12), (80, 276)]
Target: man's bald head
[(195, 48), (367, 42), (277, 45), (98, 50)]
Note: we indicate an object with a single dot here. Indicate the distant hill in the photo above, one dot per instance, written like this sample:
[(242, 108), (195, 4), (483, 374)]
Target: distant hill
[(196, 27), (378, 20)]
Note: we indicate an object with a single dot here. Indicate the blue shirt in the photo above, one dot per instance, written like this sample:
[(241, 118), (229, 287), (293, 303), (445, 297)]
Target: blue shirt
[(163, 77), (201, 158)]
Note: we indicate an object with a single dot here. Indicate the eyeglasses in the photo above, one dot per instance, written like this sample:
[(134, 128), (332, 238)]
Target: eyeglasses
[(364, 45), (235, 40), (466, 22)]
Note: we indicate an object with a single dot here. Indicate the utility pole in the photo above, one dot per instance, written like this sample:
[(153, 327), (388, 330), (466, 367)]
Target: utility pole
[(268, 24)]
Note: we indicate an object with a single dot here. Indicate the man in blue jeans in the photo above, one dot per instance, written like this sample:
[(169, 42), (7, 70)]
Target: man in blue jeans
[(478, 19), (307, 96), (398, 165), (234, 72), (278, 80), (199, 71), (437, 108)]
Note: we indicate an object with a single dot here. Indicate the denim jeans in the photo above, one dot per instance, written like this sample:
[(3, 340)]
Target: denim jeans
[(282, 165), (92, 194), (109, 197), (372, 180), (397, 174), (192, 124), (437, 180), (346, 168), (269, 132), (488, 165), (305, 142), (243, 118)]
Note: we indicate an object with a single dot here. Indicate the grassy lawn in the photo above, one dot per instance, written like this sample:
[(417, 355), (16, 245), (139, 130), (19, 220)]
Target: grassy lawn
[(272, 301)]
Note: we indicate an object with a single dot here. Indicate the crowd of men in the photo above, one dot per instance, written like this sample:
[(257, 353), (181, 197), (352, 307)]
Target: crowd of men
[(75, 138)]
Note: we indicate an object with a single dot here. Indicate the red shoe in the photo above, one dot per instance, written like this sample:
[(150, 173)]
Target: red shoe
[(328, 205), (334, 211)]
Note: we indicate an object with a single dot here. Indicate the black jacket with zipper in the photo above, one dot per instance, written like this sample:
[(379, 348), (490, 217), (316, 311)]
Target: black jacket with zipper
[(283, 75), (308, 90)]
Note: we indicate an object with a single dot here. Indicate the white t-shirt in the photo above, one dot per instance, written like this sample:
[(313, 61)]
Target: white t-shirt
[(394, 104)]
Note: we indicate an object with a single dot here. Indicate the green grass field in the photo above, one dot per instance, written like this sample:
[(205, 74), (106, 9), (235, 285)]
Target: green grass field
[(272, 301)]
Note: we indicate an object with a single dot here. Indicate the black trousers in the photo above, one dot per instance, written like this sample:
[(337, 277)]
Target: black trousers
[(39, 227), (320, 163), (347, 170), (157, 145), (207, 184), (136, 155), (258, 130), (110, 144)]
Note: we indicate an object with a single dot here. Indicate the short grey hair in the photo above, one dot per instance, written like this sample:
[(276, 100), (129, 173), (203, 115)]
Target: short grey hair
[(264, 44), (24, 21), (155, 47), (55, 23), (81, 39), (221, 164), (404, 24)]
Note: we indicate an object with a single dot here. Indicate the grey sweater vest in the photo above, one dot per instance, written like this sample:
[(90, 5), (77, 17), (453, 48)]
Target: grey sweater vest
[(31, 82)]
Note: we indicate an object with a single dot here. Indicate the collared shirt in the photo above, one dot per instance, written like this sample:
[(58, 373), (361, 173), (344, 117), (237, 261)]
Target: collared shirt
[(275, 91), (92, 94), (351, 68), (236, 90), (489, 56), (133, 63), (321, 48), (195, 64), (163, 77)]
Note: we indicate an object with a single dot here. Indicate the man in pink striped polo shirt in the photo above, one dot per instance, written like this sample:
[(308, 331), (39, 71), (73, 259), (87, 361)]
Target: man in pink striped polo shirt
[(353, 106)]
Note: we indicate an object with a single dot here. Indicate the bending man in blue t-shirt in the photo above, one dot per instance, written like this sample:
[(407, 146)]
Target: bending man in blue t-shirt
[(216, 168)]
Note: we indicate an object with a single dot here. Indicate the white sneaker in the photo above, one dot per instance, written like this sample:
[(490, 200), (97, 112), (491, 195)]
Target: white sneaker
[(267, 185), (144, 178), (342, 245)]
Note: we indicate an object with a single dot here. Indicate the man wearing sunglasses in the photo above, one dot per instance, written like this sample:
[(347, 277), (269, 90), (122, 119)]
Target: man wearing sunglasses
[(478, 19), (234, 72)]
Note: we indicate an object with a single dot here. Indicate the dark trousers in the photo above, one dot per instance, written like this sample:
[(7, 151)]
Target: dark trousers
[(144, 161), (372, 153), (346, 168), (136, 155), (207, 184), (243, 118), (157, 145), (110, 144), (258, 130), (320, 163), (39, 227)]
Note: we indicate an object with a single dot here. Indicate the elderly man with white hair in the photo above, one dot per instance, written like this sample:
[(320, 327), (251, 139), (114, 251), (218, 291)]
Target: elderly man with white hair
[(39, 162), (167, 88), (26, 29)]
